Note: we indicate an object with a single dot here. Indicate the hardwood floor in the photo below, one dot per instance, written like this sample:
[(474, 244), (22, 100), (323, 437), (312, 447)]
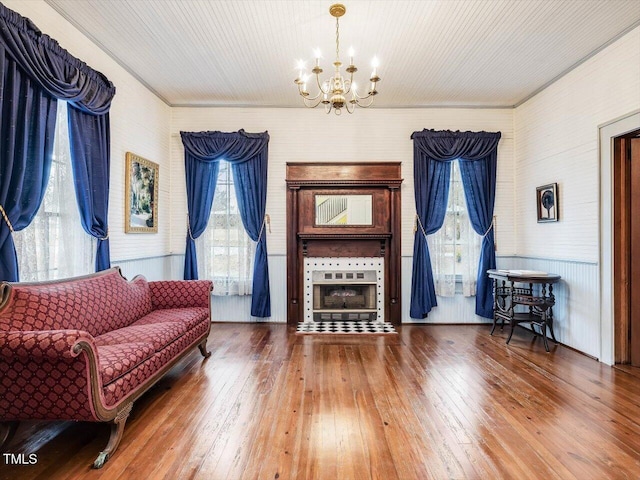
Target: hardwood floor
[(433, 402)]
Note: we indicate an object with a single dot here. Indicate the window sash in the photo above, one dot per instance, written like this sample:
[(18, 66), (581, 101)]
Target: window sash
[(455, 248), (225, 251), (55, 245)]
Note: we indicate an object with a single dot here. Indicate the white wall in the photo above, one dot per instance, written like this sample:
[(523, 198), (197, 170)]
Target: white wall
[(139, 124), (557, 141), (302, 135)]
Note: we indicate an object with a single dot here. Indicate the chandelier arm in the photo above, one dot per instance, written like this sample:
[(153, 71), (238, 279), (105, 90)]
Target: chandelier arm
[(322, 90), (362, 105), (364, 97), (346, 106), (307, 97), (311, 102), (347, 90)]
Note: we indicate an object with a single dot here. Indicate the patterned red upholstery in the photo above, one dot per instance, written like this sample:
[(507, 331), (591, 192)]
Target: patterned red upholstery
[(76, 349), (190, 317), (46, 389), (95, 303), (117, 360), (118, 390), (180, 294), (158, 335), (48, 343)]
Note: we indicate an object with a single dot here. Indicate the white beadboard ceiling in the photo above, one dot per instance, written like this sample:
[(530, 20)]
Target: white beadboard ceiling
[(488, 53)]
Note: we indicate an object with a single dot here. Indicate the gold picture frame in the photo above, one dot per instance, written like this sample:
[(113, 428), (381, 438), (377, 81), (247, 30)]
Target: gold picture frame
[(141, 195)]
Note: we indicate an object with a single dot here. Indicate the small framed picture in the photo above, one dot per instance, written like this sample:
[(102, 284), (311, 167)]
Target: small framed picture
[(141, 190), (547, 200)]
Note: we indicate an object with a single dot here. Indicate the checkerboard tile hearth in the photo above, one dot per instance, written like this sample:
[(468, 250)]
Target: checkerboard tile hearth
[(345, 327)]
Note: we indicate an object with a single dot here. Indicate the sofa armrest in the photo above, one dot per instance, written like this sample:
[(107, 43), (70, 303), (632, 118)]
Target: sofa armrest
[(49, 375), (180, 293), (49, 344)]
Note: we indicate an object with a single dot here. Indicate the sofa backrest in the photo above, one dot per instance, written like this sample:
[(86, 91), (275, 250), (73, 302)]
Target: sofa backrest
[(95, 303)]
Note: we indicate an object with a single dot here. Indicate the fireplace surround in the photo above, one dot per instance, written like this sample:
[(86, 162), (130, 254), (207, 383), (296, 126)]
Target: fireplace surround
[(363, 228), (343, 289)]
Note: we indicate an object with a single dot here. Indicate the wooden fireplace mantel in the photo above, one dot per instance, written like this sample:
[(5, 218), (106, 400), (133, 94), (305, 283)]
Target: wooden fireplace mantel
[(382, 181)]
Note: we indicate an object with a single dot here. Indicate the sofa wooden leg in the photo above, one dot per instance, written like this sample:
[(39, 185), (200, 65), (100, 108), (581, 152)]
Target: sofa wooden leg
[(7, 431), (117, 429), (203, 349)]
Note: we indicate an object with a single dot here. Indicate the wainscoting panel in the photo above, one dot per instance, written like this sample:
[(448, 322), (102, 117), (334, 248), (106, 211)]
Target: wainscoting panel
[(576, 313), (235, 308), (153, 268), (577, 309), (456, 309), (238, 308)]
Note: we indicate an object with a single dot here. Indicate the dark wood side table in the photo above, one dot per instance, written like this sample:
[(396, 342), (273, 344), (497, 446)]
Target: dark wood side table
[(531, 290)]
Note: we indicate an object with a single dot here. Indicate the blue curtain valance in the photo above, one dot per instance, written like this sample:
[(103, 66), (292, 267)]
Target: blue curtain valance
[(443, 145), (61, 74), (237, 146)]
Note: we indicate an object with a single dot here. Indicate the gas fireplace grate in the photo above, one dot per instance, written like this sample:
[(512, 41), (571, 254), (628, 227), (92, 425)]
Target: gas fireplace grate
[(345, 327)]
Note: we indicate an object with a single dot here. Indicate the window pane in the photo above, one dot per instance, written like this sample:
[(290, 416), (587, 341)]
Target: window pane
[(455, 248), (227, 251), (55, 245)]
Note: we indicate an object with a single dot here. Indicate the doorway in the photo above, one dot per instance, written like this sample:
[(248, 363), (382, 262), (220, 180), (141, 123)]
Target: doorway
[(626, 251)]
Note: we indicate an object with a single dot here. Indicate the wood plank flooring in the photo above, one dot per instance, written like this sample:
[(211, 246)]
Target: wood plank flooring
[(432, 402)]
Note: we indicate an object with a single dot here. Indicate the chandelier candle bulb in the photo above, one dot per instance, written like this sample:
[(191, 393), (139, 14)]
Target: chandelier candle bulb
[(331, 92)]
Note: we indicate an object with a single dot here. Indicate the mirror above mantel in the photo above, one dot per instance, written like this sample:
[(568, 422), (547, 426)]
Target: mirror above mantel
[(343, 210)]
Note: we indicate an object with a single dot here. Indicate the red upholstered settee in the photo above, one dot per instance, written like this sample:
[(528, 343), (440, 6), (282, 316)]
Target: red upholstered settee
[(86, 348)]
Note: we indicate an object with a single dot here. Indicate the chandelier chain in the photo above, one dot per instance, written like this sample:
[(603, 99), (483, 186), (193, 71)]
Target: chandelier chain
[(337, 39)]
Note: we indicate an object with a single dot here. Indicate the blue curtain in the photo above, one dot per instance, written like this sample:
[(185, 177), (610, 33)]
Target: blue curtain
[(477, 152), (479, 182), (51, 69), (27, 127), (248, 155), (431, 207), (201, 177), (90, 153)]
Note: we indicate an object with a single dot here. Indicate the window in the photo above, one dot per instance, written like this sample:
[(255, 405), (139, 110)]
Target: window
[(225, 251), (455, 248), (55, 245)]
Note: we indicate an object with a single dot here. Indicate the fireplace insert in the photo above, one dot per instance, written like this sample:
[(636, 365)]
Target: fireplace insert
[(349, 289)]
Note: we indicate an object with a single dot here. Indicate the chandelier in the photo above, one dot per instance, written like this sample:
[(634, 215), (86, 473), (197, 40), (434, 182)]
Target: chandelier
[(333, 92)]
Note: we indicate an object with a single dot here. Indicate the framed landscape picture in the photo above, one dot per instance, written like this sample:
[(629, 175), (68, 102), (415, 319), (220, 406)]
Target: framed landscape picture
[(547, 200), (141, 190)]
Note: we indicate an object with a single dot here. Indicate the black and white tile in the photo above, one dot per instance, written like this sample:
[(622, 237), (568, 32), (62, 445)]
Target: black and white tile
[(345, 327)]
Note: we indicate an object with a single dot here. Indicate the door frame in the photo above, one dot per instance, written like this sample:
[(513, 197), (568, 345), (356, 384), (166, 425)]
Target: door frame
[(607, 133)]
